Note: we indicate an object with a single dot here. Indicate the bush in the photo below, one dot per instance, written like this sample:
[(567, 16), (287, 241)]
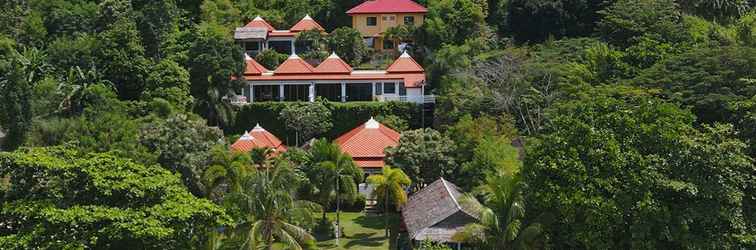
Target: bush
[(270, 59), (356, 205), (345, 117)]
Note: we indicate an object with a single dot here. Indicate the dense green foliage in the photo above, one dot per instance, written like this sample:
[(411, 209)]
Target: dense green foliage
[(60, 198), (635, 120)]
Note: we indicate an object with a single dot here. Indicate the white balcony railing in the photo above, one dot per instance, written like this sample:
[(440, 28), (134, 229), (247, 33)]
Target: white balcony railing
[(415, 99)]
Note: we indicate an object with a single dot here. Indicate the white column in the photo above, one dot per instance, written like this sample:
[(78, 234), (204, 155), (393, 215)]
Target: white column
[(312, 91), (251, 93), (281, 92), (372, 90), (343, 92), (293, 50)]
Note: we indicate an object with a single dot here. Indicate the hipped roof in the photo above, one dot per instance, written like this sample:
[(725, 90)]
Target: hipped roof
[(258, 137), (334, 64), (387, 6), (307, 23), (366, 143)]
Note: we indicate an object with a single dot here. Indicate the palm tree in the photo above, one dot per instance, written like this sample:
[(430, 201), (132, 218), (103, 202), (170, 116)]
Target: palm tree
[(501, 223), (226, 167), (268, 201), (389, 188), (333, 173)]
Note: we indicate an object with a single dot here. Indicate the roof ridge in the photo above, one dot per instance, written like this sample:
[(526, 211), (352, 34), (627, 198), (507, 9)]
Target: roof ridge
[(451, 195)]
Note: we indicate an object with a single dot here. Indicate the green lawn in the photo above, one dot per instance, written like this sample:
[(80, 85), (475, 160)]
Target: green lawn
[(360, 232)]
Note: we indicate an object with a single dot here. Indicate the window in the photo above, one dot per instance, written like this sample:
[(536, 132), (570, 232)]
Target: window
[(389, 88), (370, 42), (372, 21), (297, 92), (409, 20), (252, 46), (388, 44), (379, 88), (402, 89), (389, 18)]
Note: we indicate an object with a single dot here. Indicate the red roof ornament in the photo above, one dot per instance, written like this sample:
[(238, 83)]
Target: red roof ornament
[(387, 6), (367, 142), (294, 65), (259, 22), (307, 23), (258, 137), (405, 64), (333, 65)]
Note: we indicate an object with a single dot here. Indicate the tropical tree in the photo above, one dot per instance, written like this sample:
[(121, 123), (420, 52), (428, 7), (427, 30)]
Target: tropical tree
[(332, 172), (226, 167), (307, 119), (62, 198), (502, 222), (268, 207), (389, 189), (424, 154)]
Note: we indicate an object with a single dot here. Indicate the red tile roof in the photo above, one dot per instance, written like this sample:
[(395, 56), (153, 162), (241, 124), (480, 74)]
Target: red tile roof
[(334, 65), (258, 138), (294, 65), (306, 24), (252, 67), (387, 6), (258, 22), (367, 142), (405, 64)]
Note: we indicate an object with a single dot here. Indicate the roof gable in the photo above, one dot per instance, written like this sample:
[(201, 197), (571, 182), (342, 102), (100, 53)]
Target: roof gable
[(387, 6), (258, 137), (307, 23), (252, 67), (333, 64), (432, 205), (405, 64), (368, 140), (259, 22), (294, 65)]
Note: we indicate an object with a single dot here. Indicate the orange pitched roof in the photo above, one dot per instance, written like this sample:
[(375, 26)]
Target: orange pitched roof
[(258, 22), (294, 65), (258, 138), (307, 23), (333, 64), (405, 64), (367, 142), (252, 67)]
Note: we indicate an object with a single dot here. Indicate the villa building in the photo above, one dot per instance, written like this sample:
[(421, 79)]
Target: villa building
[(335, 80), (259, 35), (366, 144), (373, 17), (258, 137)]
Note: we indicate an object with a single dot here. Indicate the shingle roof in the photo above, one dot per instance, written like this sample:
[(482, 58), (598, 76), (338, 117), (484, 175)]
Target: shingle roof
[(259, 22), (435, 212), (307, 23), (294, 65), (258, 137), (367, 142), (387, 6), (252, 67), (405, 64), (334, 65)]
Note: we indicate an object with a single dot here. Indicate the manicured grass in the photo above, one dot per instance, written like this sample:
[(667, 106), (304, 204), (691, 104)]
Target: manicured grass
[(361, 231)]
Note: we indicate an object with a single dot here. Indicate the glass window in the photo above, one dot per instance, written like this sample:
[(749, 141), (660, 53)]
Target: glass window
[(379, 88), (409, 20), (266, 93), (402, 89), (370, 42), (297, 92), (388, 44), (372, 21), (389, 88)]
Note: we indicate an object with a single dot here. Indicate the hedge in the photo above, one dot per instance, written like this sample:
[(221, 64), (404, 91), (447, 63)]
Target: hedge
[(345, 116)]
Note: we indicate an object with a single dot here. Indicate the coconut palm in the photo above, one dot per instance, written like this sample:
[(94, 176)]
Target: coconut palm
[(332, 173), (389, 189), (226, 167), (501, 224), (267, 200)]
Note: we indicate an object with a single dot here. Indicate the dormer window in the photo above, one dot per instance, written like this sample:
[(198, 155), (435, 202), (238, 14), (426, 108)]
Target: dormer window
[(372, 21)]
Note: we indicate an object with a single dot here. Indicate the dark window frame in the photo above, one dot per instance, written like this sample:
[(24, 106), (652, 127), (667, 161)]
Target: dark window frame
[(409, 20), (373, 23)]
